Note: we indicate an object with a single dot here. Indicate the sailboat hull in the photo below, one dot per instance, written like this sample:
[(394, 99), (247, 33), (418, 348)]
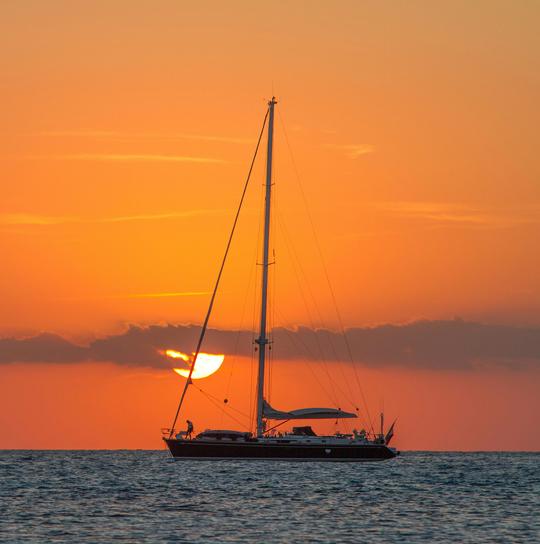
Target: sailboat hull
[(253, 449)]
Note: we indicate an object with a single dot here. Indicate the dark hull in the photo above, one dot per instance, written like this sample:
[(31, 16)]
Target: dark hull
[(199, 449)]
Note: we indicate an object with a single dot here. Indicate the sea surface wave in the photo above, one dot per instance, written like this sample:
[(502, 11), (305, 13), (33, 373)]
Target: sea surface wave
[(146, 496)]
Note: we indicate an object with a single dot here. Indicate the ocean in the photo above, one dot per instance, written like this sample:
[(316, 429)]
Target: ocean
[(146, 496)]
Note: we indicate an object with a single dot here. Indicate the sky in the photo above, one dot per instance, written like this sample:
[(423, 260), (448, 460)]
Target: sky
[(407, 194)]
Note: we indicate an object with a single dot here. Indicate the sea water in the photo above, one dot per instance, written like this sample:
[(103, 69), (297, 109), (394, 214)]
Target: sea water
[(146, 496)]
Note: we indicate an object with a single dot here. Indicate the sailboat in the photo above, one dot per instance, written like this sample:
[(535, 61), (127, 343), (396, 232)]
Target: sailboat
[(302, 443)]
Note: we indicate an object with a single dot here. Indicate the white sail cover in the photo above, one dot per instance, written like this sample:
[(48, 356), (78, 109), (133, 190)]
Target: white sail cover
[(305, 413)]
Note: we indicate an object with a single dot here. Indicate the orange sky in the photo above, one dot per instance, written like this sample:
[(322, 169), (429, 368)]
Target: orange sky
[(111, 407), (126, 135)]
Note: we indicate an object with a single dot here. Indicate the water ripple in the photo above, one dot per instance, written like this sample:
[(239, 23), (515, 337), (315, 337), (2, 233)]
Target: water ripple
[(145, 496)]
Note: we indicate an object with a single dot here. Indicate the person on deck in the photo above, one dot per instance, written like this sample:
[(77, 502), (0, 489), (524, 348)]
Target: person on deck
[(189, 430)]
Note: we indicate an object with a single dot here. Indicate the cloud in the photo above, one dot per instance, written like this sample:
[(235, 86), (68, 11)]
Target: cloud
[(115, 157), (460, 214), (153, 216), (433, 345), (165, 295), (119, 135), (435, 211), (353, 151), (43, 220), (50, 347), (32, 219)]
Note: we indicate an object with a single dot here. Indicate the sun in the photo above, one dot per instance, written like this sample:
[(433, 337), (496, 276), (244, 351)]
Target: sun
[(205, 365)]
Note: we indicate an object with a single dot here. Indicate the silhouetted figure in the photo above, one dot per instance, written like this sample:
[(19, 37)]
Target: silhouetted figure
[(189, 429)]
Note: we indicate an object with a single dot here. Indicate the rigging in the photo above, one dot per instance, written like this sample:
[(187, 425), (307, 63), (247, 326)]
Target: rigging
[(212, 299)]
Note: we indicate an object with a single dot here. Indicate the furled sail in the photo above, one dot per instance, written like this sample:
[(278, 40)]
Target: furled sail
[(305, 413)]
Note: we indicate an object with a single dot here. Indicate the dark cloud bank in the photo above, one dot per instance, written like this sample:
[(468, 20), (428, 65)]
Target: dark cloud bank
[(434, 345)]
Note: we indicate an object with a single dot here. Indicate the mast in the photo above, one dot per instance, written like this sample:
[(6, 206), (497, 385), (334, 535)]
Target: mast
[(262, 340)]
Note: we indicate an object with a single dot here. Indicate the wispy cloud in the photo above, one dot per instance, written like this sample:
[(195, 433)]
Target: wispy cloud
[(130, 136), (434, 211), (165, 295), (353, 151), (460, 214), (31, 219), (115, 157), (44, 220), (154, 216)]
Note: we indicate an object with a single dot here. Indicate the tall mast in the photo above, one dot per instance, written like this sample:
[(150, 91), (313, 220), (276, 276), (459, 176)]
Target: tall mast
[(262, 341)]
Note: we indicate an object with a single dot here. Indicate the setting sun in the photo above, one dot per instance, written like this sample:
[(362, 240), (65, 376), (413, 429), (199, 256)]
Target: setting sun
[(205, 365)]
